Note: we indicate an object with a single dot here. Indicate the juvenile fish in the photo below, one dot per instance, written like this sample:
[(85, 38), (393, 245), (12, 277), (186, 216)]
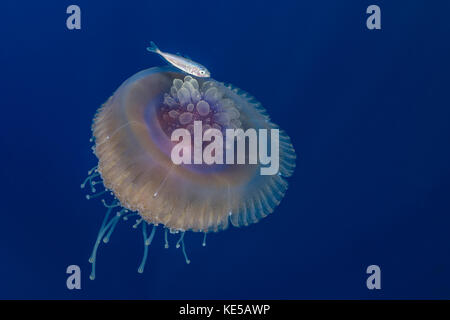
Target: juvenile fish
[(182, 63)]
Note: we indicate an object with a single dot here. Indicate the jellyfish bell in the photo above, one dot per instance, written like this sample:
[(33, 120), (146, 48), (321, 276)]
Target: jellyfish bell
[(132, 133)]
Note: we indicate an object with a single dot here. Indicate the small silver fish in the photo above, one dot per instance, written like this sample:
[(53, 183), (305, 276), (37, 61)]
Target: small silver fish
[(182, 63)]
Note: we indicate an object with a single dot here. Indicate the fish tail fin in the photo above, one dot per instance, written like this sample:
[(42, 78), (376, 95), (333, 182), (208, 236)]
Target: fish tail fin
[(153, 47)]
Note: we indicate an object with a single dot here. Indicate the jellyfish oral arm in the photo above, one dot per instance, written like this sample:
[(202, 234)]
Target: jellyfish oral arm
[(213, 153)]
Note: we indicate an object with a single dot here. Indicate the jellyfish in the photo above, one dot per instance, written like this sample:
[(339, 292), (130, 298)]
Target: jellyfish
[(132, 141)]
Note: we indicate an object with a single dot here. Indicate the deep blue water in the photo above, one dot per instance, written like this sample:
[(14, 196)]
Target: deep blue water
[(368, 113)]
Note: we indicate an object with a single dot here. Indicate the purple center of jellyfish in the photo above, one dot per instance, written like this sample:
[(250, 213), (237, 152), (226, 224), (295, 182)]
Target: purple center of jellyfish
[(188, 102)]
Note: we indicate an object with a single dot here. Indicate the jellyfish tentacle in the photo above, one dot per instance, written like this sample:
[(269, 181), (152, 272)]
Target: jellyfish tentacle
[(92, 174), (144, 258), (96, 195), (183, 248), (89, 178), (180, 240), (102, 231), (166, 243), (204, 239), (138, 221), (147, 241), (92, 170), (113, 226), (114, 204), (126, 217)]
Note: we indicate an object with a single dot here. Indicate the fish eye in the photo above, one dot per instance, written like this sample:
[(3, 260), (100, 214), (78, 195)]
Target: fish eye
[(202, 72)]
